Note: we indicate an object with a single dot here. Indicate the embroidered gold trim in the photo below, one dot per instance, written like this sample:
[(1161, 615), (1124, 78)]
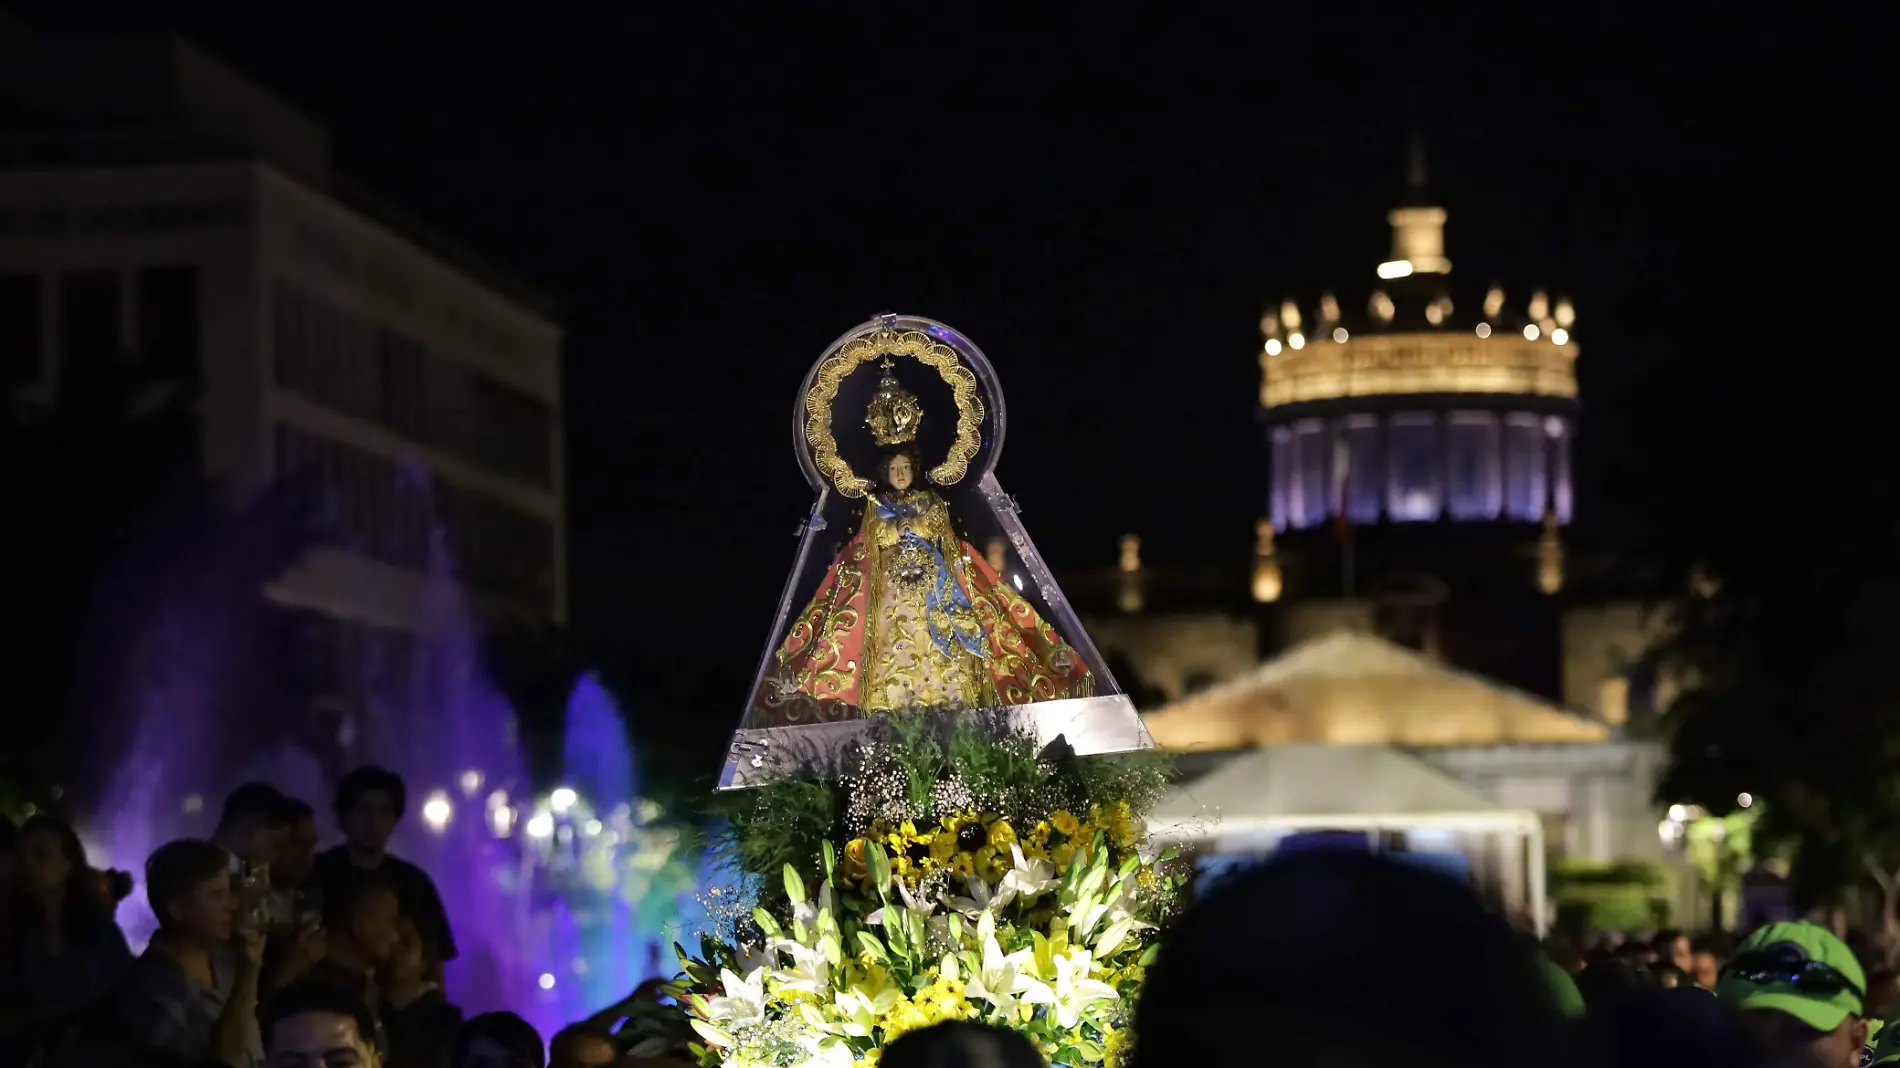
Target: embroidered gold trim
[(925, 350)]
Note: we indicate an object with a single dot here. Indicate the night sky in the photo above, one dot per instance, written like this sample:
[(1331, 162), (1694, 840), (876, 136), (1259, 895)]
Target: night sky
[(1103, 202)]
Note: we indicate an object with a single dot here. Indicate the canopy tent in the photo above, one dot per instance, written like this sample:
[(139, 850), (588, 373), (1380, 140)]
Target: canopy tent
[(1371, 788), (1352, 688)]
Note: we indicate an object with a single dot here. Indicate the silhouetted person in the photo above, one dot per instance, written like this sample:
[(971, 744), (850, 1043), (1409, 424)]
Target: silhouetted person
[(193, 994), (1683, 1027), (251, 824), (1345, 959), (65, 951), (314, 1025), (1801, 995), (497, 1040), (370, 802), (1607, 980), (418, 1020), (961, 1045), (297, 854), (582, 1046)]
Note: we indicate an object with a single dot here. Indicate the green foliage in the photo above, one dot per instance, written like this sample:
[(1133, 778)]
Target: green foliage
[(772, 826), (1790, 692), (1593, 897), (789, 822)]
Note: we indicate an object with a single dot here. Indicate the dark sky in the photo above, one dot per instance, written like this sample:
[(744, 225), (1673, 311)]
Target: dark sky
[(1102, 198)]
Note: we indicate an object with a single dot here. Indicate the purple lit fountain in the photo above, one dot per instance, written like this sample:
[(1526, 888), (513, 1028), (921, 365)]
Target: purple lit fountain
[(560, 903)]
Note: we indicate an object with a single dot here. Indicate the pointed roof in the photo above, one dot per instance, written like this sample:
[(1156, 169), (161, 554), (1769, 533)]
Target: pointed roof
[(1333, 787), (1349, 687), (1418, 188)]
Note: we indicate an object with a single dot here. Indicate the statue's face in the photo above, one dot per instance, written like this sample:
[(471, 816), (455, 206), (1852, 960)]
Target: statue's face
[(898, 473)]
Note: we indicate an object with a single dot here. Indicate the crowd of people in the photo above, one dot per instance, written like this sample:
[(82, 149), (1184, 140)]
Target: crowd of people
[(258, 935), (269, 952)]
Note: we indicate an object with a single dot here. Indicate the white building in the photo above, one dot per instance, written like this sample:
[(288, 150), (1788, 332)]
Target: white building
[(154, 202)]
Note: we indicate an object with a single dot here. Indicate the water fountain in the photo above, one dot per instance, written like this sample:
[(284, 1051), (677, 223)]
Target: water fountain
[(560, 903)]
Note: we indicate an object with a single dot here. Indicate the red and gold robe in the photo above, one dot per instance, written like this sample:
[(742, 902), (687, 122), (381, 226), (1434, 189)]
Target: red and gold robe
[(908, 618)]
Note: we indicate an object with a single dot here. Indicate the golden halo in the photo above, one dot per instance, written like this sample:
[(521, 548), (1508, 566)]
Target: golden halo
[(925, 350)]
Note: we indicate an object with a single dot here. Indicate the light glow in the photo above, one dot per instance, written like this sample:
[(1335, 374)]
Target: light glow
[(1744, 800), (1560, 336), (1297, 340), (547, 980), (541, 825), (562, 799), (1530, 332), (471, 782), (1395, 268), (1273, 346), (1677, 813), (1484, 329), (1339, 334), (437, 810)]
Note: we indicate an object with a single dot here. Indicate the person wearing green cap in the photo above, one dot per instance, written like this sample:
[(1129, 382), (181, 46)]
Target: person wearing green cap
[(1800, 992)]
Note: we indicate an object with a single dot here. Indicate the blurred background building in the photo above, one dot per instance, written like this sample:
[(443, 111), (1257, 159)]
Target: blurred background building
[(1415, 583), (159, 210)]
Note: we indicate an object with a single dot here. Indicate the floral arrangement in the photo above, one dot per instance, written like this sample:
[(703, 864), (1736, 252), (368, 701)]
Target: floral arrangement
[(976, 881)]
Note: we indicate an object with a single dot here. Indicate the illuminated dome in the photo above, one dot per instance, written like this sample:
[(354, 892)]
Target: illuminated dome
[(1415, 399)]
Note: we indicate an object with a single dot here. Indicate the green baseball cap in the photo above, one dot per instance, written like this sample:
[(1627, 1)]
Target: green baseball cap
[(1563, 989), (1798, 969)]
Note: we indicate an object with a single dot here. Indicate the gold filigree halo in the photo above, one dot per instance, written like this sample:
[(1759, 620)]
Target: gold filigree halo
[(894, 414), (925, 350)]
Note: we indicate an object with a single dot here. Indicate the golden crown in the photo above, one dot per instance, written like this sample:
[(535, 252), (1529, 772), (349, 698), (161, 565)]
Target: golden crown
[(893, 414)]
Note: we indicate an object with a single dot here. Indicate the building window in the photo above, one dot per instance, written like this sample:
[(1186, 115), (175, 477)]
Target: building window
[(1476, 490), (1365, 477), (1314, 449), (1412, 455), (89, 319), (1525, 468), (1282, 488), (22, 330), (384, 511), (168, 321), (1560, 467)]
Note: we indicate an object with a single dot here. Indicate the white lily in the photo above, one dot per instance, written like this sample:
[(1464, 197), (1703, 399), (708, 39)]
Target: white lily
[(809, 972), (826, 1051), (806, 913), (1029, 877), (859, 1010), (1003, 981), (743, 1002), (1074, 990), (921, 909), (982, 898)]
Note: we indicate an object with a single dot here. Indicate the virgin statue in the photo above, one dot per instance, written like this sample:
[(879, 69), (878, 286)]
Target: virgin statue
[(909, 616)]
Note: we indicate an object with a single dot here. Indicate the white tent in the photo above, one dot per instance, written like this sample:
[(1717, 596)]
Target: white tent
[(1371, 788), (1352, 688)]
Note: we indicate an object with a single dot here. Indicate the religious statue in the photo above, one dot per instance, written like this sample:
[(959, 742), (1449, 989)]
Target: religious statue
[(909, 616)]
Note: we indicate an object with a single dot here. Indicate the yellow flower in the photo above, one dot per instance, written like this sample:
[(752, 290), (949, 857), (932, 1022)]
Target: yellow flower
[(1061, 855), (943, 846), (1040, 832), (963, 864), (1002, 835), (854, 859), (1065, 821)]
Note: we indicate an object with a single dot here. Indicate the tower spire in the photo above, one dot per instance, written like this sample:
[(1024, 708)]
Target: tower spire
[(1417, 178), (1418, 224)]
